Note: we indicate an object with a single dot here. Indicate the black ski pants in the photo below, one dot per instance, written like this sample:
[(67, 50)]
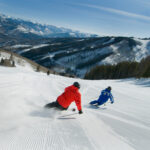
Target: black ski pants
[(55, 105)]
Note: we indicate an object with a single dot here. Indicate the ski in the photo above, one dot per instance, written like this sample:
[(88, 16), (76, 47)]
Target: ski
[(96, 106), (71, 114)]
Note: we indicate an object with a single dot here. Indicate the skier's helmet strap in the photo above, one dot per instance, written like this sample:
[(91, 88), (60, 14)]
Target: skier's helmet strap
[(76, 84), (109, 88)]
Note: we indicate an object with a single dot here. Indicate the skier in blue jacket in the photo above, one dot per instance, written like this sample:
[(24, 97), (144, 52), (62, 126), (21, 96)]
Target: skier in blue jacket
[(103, 98)]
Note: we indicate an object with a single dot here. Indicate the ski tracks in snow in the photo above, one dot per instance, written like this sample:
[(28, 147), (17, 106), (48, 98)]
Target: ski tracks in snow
[(95, 128)]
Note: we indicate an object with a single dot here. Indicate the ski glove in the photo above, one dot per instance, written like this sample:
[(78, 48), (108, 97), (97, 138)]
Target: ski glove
[(80, 112), (112, 102)]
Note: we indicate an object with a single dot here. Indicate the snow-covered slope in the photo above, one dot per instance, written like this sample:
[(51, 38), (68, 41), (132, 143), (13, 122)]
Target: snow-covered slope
[(26, 125), (10, 58)]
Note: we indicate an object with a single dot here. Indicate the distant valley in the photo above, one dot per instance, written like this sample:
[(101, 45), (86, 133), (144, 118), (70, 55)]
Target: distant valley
[(71, 53)]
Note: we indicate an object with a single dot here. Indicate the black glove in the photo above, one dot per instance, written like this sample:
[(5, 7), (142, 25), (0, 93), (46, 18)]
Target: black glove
[(112, 102), (80, 112)]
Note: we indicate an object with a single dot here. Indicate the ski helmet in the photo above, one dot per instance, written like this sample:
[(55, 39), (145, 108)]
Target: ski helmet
[(109, 88), (76, 84)]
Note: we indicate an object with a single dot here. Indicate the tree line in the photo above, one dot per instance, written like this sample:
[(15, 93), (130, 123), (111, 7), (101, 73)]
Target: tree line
[(121, 70)]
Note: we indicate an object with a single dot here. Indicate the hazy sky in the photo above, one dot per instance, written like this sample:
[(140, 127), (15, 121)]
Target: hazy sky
[(103, 17)]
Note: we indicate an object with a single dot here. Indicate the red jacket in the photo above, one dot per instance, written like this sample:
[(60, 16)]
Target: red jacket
[(71, 94)]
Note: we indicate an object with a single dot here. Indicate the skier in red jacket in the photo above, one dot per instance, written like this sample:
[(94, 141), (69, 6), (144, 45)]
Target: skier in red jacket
[(70, 95)]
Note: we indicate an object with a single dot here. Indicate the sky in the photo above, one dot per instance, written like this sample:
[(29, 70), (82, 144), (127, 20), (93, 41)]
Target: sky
[(102, 17)]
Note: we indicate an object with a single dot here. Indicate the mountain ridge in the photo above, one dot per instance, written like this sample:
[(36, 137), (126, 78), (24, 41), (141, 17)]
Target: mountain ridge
[(12, 26), (79, 55)]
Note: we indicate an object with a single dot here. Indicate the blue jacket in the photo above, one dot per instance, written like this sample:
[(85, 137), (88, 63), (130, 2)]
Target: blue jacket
[(105, 95)]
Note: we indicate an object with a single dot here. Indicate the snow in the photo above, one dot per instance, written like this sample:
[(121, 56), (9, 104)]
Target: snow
[(34, 47), (18, 60), (110, 41), (26, 125), (23, 29), (72, 34), (27, 30), (142, 51), (36, 32), (21, 46)]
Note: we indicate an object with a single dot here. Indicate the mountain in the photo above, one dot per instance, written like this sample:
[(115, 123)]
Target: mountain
[(26, 125), (12, 28), (78, 55), (67, 51)]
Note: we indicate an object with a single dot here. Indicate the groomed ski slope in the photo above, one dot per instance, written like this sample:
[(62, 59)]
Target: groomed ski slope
[(26, 125)]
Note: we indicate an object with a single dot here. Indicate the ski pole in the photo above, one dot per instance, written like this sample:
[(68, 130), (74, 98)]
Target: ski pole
[(69, 115)]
